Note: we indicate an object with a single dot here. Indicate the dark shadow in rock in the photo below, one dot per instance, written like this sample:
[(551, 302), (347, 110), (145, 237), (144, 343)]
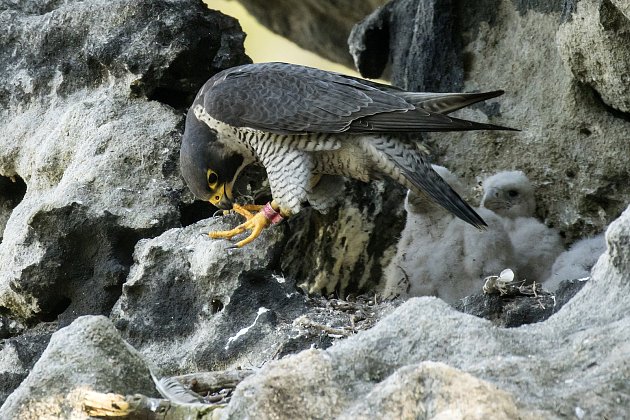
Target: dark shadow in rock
[(541, 6), (369, 43), (514, 311), (191, 213), (12, 191), (170, 310), (611, 110), (418, 34), (87, 260), (178, 84)]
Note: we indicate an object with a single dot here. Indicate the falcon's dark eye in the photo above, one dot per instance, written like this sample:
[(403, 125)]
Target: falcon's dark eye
[(512, 193), (213, 178)]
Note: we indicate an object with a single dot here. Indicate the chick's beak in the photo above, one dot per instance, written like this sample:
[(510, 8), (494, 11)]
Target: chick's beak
[(492, 200)]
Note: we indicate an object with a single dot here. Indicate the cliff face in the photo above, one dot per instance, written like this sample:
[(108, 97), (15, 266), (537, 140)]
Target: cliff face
[(96, 221)]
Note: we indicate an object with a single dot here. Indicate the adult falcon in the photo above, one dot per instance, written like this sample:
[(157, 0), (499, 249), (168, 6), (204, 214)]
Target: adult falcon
[(308, 127)]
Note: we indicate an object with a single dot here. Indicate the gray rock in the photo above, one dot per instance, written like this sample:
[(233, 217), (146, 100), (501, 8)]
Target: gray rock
[(595, 46), (87, 355), (345, 251), (319, 27), (571, 141), (574, 363), (434, 390), (18, 354), (188, 296), (88, 127), (192, 304), (433, 49)]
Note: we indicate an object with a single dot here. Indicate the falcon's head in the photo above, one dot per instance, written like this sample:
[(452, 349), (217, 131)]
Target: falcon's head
[(208, 167)]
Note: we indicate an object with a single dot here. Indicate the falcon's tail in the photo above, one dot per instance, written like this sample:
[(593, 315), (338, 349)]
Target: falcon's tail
[(418, 172)]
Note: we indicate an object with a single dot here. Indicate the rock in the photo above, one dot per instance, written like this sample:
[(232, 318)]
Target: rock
[(312, 25), (575, 362), (188, 297), (18, 354), (91, 119), (78, 358), (570, 143), (90, 133), (191, 304), (345, 251), (434, 390), (595, 46), (433, 49), (422, 390)]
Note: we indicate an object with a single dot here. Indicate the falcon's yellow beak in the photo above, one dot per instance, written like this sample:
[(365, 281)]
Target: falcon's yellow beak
[(220, 192), (221, 197)]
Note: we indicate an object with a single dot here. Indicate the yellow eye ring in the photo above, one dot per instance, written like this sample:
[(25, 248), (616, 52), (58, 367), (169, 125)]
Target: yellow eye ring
[(212, 178)]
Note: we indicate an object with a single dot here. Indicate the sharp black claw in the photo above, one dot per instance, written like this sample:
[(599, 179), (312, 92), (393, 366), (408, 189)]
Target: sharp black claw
[(232, 247)]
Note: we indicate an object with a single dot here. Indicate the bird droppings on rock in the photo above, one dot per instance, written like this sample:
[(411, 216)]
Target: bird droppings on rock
[(245, 330)]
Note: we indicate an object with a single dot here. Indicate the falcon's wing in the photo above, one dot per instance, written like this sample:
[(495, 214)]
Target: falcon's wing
[(290, 99)]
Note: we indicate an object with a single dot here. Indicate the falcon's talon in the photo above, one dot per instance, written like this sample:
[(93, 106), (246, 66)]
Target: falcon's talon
[(256, 224)]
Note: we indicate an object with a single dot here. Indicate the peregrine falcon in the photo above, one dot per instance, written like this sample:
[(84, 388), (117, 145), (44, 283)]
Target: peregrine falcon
[(308, 127)]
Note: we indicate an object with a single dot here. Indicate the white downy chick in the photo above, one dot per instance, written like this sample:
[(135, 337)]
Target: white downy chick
[(440, 255), (510, 195), (577, 262)]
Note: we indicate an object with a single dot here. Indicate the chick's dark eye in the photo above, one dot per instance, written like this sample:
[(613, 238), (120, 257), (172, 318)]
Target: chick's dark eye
[(512, 193), (212, 178)]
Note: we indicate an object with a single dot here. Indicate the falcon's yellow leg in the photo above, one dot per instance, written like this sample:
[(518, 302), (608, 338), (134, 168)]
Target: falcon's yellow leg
[(267, 215)]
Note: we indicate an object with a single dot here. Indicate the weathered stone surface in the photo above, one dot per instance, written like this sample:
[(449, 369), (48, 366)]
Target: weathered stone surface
[(188, 294), (86, 124), (433, 391), (430, 56), (345, 251), (573, 364), (88, 354), (571, 142), (595, 46), (99, 167), (319, 27), (192, 304), (18, 354)]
